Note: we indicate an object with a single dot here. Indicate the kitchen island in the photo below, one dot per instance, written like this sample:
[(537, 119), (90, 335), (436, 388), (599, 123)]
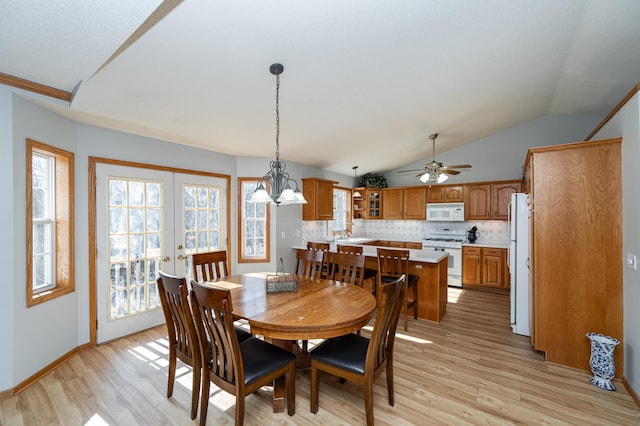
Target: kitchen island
[(431, 268)]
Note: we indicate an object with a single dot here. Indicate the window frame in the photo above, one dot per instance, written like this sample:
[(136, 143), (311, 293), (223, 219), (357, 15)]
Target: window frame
[(348, 215), (242, 258), (64, 222)]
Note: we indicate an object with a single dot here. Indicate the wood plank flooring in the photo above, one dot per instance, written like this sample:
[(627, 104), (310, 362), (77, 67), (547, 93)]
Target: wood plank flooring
[(468, 370)]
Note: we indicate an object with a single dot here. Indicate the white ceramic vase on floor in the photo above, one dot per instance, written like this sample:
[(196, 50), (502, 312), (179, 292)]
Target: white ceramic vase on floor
[(601, 360)]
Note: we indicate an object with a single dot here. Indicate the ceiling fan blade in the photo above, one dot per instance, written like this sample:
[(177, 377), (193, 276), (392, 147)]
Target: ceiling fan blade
[(449, 172), (459, 166), (412, 170)]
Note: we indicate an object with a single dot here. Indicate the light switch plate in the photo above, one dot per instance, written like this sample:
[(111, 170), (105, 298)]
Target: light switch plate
[(632, 261)]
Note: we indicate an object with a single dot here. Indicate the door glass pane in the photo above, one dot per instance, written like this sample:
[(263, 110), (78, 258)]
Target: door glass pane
[(135, 245), (201, 231)]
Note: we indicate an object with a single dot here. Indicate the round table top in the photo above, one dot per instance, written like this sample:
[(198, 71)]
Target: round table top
[(320, 309)]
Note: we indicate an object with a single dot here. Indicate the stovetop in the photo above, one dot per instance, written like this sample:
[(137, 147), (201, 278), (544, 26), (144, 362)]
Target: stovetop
[(445, 238)]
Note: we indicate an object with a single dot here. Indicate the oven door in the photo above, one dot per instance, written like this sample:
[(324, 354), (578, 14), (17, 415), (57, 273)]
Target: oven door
[(454, 266)]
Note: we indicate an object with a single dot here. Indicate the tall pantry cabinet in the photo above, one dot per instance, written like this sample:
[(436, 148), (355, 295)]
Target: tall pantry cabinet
[(576, 248)]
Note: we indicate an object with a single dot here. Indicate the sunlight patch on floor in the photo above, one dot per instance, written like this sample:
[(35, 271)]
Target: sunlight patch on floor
[(454, 295), (96, 420)]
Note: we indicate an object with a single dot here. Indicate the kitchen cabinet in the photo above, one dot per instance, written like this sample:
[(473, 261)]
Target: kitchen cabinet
[(445, 194), (489, 201), (576, 248), (359, 204), (319, 195), (373, 203), (485, 266), (404, 203)]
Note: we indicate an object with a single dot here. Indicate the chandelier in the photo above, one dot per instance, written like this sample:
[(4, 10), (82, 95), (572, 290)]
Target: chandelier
[(278, 179)]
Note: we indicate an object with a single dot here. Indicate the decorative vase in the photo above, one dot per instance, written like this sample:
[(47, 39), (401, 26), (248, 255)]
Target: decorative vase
[(601, 360)]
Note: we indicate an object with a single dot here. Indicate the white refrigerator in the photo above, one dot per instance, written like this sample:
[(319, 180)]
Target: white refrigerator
[(519, 264)]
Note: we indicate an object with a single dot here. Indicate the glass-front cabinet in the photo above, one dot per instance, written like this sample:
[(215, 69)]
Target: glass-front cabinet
[(373, 205)]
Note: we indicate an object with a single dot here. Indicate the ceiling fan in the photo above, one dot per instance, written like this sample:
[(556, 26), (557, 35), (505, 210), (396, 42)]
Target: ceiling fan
[(434, 172)]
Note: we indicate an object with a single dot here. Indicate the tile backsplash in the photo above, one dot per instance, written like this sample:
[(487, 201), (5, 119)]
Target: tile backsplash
[(410, 230)]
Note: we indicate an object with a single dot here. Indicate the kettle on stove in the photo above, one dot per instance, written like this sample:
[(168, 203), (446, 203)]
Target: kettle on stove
[(473, 234)]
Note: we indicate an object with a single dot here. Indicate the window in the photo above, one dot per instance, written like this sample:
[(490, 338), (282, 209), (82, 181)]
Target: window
[(50, 222), (253, 225), (341, 210)]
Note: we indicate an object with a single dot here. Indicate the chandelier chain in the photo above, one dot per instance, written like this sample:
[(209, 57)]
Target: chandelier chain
[(277, 117)]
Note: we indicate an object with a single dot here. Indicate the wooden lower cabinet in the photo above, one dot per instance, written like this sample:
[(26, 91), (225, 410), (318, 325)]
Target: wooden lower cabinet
[(485, 267)]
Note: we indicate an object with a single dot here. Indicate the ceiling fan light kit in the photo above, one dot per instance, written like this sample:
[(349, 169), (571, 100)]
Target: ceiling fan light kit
[(434, 172)]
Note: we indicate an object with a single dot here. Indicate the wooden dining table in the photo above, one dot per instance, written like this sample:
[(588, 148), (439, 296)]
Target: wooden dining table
[(319, 309)]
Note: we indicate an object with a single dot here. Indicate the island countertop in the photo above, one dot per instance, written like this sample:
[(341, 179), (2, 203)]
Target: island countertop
[(426, 256)]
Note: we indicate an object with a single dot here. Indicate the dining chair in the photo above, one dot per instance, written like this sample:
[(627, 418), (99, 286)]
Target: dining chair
[(361, 360), (183, 340), (238, 368), (369, 273), (209, 265), (346, 267), (324, 247), (309, 262), (391, 264), (212, 265)]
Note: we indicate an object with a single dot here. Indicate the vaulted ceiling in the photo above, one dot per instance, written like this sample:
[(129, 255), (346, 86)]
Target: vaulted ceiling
[(364, 82)]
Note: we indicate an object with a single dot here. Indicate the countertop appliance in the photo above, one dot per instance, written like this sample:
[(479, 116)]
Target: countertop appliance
[(449, 240), (445, 212), (519, 264)]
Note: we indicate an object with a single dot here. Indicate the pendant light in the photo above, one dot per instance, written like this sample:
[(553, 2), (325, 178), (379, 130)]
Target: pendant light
[(356, 193), (278, 178)]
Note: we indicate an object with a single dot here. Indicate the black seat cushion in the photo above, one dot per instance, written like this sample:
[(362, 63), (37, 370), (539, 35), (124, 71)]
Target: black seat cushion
[(411, 279), (369, 273), (347, 352), (242, 334), (260, 358)]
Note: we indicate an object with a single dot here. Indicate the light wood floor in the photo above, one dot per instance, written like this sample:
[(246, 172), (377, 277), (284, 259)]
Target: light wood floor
[(470, 369)]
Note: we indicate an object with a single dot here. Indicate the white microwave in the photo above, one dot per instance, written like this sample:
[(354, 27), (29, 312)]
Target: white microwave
[(445, 212)]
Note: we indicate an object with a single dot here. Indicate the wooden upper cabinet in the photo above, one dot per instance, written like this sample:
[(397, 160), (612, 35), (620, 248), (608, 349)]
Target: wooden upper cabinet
[(489, 201), (415, 203), (319, 195), (393, 203), (404, 203), (477, 202), (445, 194)]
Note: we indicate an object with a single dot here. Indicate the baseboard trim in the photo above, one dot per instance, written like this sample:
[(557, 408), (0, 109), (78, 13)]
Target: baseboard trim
[(46, 370), (631, 391), (6, 394)]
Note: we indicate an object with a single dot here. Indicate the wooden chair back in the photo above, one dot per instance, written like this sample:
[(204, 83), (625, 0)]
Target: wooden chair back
[(324, 247), (392, 263), (390, 301), (343, 248), (183, 341), (309, 263), (347, 267), (210, 265)]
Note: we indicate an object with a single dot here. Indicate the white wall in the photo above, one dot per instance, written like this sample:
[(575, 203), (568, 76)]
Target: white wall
[(501, 156), (626, 123), (6, 230), (44, 332)]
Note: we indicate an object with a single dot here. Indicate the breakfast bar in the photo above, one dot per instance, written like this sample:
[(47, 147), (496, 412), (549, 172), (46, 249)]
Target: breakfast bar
[(429, 265)]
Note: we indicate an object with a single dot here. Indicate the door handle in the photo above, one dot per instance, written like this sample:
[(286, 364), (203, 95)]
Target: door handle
[(181, 257), (166, 259)]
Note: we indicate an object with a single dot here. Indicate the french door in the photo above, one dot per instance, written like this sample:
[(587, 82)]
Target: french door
[(149, 220)]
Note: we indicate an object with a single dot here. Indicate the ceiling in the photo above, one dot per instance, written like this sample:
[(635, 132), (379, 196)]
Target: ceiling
[(364, 82)]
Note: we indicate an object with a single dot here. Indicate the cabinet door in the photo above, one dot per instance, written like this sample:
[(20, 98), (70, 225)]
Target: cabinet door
[(501, 197), (374, 204), (436, 194), (476, 205), (415, 206), (471, 272), (492, 267), (392, 203), (454, 194), (324, 200)]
